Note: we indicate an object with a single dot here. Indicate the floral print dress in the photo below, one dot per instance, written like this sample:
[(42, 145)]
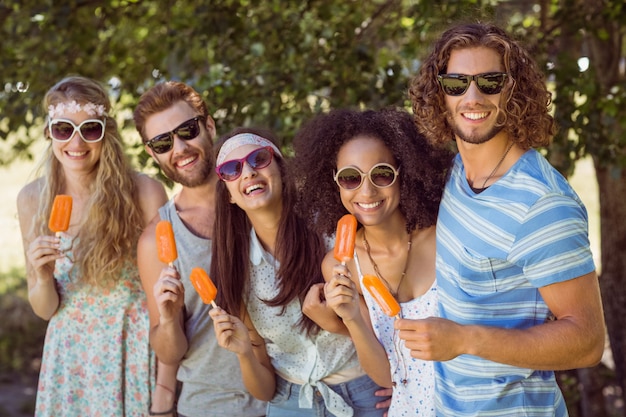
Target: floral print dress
[(97, 360)]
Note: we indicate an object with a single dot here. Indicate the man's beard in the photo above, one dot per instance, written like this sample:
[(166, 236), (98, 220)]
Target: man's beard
[(473, 138), (200, 175)]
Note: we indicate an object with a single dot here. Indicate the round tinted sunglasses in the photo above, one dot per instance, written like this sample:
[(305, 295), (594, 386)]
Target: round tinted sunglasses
[(62, 130), (457, 84), (257, 159), (187, 130), (380, 175)]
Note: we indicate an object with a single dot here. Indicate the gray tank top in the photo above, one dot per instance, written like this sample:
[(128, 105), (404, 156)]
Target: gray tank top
[(211, 379)]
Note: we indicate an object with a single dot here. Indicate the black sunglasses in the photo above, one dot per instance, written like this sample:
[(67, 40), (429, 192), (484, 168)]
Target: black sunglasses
[(90, 131), (257, 159), (381, 175), (457, 84), (187, 130)]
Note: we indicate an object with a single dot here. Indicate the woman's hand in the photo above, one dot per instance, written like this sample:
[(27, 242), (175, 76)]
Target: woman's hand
[(231, 333), (42, 253), (341, 294)]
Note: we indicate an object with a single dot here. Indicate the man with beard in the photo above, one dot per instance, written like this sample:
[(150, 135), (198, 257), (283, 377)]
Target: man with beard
[(178, 133), (519, 295)]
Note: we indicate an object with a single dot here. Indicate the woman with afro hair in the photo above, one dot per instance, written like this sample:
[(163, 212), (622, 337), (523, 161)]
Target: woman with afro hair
[(376, 166)]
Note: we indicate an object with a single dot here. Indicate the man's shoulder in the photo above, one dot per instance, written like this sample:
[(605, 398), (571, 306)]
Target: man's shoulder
[(150, 230)]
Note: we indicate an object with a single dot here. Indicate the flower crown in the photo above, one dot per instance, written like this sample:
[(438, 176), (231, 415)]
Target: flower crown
[(91, 109)]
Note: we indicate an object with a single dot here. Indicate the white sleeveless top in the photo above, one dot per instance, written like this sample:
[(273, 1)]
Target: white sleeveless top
[(416, 395)]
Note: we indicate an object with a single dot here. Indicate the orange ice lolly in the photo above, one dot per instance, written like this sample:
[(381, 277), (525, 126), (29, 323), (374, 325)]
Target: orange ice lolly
[(203, 285), (345, 238), (61, 213), (166, 244), (381, 294)]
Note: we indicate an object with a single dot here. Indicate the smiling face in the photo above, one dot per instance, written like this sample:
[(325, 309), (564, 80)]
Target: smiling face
[(255, 189), (76, 154), (189, 162), (473, 115), (371, 205)]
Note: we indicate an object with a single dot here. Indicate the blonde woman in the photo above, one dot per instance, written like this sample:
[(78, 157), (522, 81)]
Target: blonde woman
[(97, 358)]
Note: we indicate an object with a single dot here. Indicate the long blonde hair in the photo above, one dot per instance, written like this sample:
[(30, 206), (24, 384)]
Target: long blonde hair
[(112, 220)]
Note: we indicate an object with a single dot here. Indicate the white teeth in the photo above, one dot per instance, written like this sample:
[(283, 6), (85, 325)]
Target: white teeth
[(476, 116), (253, 187), (370, 205), (185, 161), (70, 153)]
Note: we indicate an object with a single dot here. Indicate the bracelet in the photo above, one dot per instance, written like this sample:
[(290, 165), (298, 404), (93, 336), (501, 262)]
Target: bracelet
[(166, 388), (161, 413)]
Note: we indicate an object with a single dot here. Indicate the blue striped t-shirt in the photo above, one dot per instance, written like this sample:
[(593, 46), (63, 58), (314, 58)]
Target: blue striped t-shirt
[(495, 250)]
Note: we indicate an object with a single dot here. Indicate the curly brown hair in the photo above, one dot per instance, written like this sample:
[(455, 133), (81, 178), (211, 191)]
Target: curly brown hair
[(316, 145), (525, 99)]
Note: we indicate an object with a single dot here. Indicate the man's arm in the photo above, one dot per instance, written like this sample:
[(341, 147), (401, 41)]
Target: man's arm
[(574, 340), (166, 297)]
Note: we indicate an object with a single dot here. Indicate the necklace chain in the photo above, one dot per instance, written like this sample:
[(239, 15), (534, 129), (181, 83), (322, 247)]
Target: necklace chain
[(396, 347), (498, 165), (377, 270)]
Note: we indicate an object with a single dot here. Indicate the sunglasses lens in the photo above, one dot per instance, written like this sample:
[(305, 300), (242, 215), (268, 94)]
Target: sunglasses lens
[(349, 178), (382, 176), (61, 130), (188, 130), (161, 143), (92, 131), (259, 158), (491, 83), (454, 85), (457, 84), (230, 170)]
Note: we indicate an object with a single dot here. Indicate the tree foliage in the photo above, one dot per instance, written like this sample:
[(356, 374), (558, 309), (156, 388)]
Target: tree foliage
[(269, 62)]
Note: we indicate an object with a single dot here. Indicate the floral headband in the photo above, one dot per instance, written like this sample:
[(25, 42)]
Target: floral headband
[(243, 139), (91, 109)]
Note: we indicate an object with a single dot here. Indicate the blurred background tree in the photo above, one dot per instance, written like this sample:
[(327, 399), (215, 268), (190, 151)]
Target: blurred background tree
[(276, 63)]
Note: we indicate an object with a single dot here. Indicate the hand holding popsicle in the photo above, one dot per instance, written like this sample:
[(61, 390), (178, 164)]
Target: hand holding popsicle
[(60, 214), (230, 332), (345, 238), (166, 244), (203, 285), (342, 295), (381, 294)]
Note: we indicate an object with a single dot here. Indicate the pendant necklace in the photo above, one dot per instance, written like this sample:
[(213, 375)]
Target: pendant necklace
[(375, 266), (397, 349), (498, 166)]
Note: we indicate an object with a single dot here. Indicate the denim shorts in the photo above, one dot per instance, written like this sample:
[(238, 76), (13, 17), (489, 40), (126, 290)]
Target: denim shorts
[(357, 393)]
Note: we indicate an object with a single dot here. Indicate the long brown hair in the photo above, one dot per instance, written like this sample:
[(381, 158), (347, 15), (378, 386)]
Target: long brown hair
[(299, 250), (525, 99), (112, 220)]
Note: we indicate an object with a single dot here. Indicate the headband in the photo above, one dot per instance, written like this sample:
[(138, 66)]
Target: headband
[(90, 108), (241, 140)]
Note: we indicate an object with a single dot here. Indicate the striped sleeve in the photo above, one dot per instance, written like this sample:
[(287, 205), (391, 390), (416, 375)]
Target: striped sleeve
[(552, 244)]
